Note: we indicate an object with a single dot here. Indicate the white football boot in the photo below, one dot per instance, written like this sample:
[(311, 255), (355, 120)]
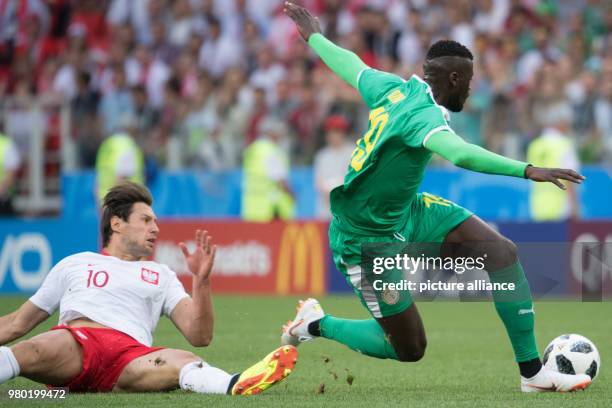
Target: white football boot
[(550, 380), (295, 331)]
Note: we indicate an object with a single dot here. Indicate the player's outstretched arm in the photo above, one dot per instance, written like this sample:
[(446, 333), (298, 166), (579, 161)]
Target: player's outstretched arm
[(468, 156), (194, 316), (21, 322), (346, 64)]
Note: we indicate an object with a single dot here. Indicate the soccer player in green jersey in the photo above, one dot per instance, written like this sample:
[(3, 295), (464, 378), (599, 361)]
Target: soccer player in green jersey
[(379, 202)]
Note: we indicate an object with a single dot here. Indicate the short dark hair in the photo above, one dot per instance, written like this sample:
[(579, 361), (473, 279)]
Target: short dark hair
[(119, 201), (448, 48)]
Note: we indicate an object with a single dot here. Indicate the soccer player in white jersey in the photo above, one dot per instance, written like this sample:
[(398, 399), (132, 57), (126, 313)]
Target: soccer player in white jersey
[(109, 306)]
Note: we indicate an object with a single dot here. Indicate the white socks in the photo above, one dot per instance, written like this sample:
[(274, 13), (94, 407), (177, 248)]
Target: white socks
[(9, 367), (200, 377)]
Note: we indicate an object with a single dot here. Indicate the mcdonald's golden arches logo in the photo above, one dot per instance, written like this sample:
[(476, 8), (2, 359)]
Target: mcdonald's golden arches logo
[(301, 252)]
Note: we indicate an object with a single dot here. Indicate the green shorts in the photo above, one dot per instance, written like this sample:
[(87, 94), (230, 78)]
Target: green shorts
[(431, 218)]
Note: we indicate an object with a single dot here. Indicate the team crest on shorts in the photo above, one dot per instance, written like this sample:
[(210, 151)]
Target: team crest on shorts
[(390, 296), (149, 276)]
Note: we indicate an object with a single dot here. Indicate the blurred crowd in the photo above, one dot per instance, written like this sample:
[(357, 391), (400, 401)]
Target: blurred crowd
[(201, 75)]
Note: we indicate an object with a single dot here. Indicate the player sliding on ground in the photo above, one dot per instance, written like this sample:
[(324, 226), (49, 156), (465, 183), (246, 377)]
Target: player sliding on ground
[(378, 202), (109, 306)]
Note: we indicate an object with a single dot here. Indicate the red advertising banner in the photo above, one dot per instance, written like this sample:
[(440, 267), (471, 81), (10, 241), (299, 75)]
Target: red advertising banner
[(590, 259), (258, 258)]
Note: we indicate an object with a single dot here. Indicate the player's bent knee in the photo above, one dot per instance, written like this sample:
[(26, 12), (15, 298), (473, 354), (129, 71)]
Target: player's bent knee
[(510, 249), (503, 253), (411, 355), (412, 352)]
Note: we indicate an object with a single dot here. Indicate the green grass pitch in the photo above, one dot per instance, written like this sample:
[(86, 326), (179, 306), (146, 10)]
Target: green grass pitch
[(469, 362)]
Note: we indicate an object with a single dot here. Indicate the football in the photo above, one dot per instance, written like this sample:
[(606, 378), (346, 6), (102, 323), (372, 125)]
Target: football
[(573, 354)]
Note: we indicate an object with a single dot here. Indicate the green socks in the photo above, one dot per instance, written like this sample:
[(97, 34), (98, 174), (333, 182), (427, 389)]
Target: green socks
[(364, 336), (515, 308)]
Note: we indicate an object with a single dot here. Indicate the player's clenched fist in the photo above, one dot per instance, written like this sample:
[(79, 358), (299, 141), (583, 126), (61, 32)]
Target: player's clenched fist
[(306, 23), (201, 261)]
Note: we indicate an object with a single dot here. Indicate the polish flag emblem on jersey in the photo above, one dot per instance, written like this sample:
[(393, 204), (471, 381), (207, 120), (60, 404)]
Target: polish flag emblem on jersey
[(149, 276)]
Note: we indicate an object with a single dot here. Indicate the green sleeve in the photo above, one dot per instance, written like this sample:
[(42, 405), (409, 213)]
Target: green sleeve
[(346, 64), (468, 156)]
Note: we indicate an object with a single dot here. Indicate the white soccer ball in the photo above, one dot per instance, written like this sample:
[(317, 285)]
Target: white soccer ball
[(572, 354)]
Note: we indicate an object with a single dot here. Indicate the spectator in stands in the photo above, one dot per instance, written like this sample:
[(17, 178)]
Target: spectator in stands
[(16, 34), (183, 22), (199, 123), (143, 68), (164, 50), (138, 13), (65, 82), (254, 64), (146, 121), (490, 15), (268, 72), (10, 160), (305, 119), (215, 129), (331, 162), (284, 102), (266, 194), (258, 111), (23, 120), (145, 115), (219, 52), (251, 43), (85, 123), (409, 49), (532, 60), (233, 111), (554, 148), (171, 113), (584, 97), (117, 102)]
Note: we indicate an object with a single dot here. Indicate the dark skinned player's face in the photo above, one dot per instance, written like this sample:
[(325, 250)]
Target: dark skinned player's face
[(459, 87)]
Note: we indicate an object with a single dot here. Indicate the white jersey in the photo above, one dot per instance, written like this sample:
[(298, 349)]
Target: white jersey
[(128, 296)]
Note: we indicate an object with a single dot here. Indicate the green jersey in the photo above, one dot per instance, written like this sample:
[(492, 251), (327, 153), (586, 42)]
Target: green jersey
[(388, 164)]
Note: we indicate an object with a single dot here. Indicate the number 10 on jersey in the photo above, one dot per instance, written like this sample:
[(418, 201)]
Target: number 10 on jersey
[(98, 279), (365, 145)]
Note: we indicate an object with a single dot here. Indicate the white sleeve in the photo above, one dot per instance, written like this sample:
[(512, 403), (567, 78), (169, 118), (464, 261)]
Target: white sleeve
[(48, 296), (175, 292)]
